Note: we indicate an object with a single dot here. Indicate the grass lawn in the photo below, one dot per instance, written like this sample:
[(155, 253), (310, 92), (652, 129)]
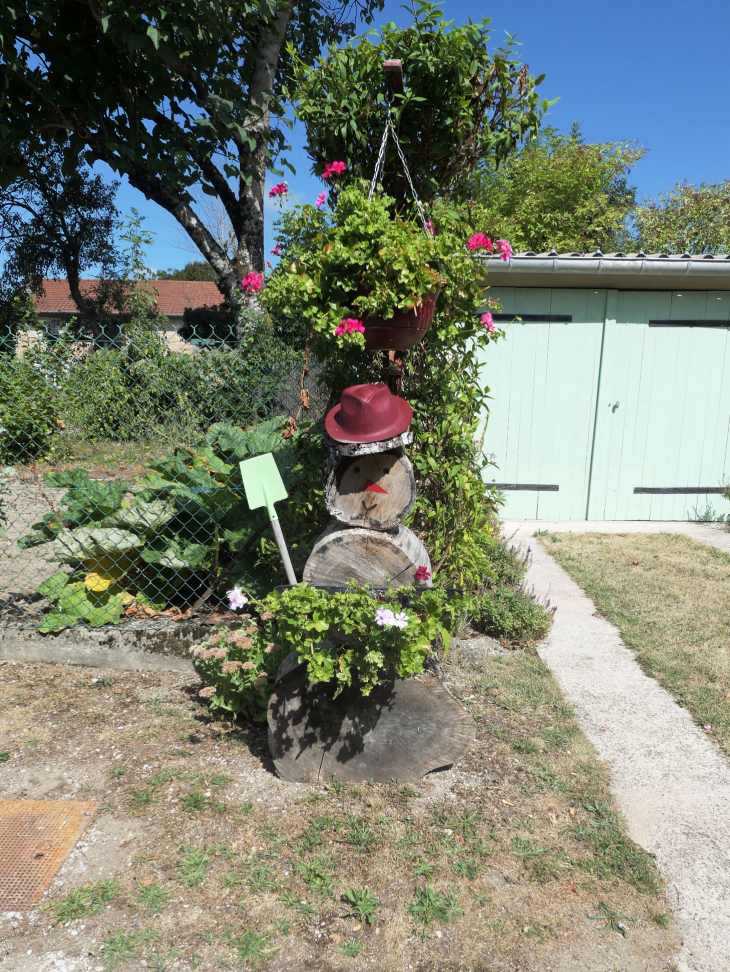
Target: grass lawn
[(200, 858), (669, 596)]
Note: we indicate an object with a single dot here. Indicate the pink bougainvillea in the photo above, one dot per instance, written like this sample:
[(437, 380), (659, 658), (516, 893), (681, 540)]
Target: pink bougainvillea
[(488, 322), (321, 200), (333, 169), (505, 249), (278, 190), (252, 282), (480, 242), (349, 326)]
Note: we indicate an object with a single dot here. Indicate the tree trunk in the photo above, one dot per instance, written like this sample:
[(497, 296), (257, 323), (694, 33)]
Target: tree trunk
[(403, 730), (374, 491), (383, 559)]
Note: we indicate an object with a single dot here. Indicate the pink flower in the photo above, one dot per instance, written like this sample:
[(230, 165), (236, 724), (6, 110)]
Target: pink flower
[(708, 727), (333, 169), (422, 573), (505, 249), (480, 242), (277, 249), (429, 227), (349, 326), (272, 646), (488, 322), (400, 620), (236, 598), (279, 190), (229, 667), (250, 284), (248, 666), (320, 200), (207, 692), (384, 617)]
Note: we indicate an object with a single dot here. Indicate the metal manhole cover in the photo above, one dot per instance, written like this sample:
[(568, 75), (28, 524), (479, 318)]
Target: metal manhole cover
[(36, 836)]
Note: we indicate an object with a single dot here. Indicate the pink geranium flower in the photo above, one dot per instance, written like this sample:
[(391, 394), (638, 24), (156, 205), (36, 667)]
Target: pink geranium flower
[(422, 573), (384, 617), (349, 326), (279, 190), (320, 200), (252, 282), (236, 598), (480, 242), (505, 249), (488, 322), (333, 169)]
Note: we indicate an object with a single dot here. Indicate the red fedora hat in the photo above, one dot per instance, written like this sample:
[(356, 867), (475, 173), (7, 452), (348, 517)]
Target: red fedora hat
[(368, 413)]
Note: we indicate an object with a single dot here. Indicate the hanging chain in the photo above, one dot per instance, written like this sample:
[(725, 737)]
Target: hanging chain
[(380, 166)]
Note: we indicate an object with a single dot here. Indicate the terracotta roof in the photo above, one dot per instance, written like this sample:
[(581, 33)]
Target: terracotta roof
[(173, 296)]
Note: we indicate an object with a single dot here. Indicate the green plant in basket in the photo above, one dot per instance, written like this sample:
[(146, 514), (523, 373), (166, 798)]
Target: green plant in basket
[(360, 260)]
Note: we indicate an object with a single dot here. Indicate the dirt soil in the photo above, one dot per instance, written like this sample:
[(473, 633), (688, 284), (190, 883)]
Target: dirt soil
[(199, 857)]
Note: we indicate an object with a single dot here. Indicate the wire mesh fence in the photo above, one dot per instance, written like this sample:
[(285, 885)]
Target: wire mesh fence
[(121, 499)]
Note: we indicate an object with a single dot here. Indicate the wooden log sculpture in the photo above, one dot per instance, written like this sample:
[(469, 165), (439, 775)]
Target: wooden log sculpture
[(403, 730), (372, 557), (376, 491)]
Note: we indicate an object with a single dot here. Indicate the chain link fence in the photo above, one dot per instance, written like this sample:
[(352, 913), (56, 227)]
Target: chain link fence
[(121, 500)]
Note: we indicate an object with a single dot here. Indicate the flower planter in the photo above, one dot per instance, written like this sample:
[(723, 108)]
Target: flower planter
[(402, 330)]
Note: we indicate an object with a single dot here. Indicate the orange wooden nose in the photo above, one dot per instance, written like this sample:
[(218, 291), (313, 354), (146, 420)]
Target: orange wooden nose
[(371, 487)]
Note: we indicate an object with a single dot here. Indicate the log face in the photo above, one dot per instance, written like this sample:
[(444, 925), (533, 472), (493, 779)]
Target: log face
[(375, 491), (372, 557), (402, 730)]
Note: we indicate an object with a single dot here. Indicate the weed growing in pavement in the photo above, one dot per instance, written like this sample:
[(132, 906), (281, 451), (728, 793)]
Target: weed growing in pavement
[(142, 799), (153, 896), (362, 904), (317, 875), (81, 902), (423, 867), (192, 866), (117, 772), (613, 920), (282, 926)]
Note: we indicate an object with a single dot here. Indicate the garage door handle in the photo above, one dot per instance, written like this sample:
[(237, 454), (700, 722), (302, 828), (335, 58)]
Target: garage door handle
[(614, 406)]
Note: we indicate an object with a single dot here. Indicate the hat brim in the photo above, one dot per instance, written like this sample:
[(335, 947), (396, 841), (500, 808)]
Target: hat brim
[(399, 420)]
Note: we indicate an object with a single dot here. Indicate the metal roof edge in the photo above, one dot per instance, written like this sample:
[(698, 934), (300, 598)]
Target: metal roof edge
[(598, 264)]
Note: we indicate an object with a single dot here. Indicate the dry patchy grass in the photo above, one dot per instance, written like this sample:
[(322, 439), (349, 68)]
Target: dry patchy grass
[(200, 858), (669, 596)]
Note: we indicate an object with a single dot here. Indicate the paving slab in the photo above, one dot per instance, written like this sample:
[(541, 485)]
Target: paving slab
[(669, 779)]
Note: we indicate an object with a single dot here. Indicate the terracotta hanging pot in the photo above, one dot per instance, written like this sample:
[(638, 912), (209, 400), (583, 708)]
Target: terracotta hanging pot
[(402, 330)]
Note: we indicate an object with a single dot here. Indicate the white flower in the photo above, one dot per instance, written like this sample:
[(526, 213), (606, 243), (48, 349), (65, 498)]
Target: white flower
[(236, 598), (401, 620), (384, 617)]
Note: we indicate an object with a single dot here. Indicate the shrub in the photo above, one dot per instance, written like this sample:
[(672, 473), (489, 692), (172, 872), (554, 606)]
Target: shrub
[(511, 613), (28, 410)]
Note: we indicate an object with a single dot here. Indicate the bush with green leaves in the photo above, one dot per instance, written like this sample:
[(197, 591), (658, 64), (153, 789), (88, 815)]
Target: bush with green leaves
[(349, 638), (29, 409)]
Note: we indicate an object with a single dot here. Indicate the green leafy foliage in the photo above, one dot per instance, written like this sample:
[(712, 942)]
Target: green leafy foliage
[(336, 635), (557, 191), (687, 219), (28, 410), (510, 612), (186, 525), (461, 103)]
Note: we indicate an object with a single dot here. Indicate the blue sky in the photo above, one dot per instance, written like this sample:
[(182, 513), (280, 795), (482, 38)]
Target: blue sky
[(651, 70)]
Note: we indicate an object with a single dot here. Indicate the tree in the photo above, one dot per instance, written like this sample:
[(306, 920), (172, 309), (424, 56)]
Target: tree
[(557, 191), (687, 219), (54, 223), (170, 95), (461, 104), (195, 270)]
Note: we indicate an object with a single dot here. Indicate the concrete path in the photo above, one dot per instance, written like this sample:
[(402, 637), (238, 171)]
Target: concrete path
[(669, 779)]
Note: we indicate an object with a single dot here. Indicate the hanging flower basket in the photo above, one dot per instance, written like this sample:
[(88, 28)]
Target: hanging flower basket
[(401, 331)]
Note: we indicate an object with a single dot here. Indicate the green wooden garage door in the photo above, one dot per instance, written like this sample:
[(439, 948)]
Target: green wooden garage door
[(610, 404)]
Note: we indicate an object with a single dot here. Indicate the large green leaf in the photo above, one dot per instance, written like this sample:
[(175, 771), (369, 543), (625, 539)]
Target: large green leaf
[(143, 517), (93, 543), (52, 587)]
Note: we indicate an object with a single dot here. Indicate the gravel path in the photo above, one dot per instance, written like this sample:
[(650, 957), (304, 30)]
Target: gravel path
[(669, 779)]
